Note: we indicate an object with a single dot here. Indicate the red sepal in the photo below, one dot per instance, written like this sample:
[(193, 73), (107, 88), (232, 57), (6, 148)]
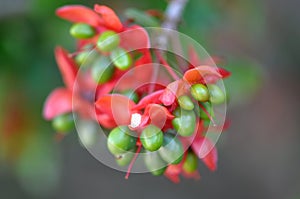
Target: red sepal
[(79, 14), (57, 103), (109, 17)]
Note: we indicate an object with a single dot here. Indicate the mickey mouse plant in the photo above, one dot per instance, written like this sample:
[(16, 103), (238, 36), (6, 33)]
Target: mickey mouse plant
[(168, 123)]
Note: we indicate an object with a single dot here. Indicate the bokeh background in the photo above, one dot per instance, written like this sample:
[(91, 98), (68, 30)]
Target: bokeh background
[(258, 155)]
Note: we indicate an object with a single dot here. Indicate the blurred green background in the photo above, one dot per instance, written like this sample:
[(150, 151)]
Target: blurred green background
[(259, 154)]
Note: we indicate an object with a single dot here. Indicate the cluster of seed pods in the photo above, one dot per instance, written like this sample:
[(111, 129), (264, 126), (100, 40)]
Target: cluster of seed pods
[(166, 123)]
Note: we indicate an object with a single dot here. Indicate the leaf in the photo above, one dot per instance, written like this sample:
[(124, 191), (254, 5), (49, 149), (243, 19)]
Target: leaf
[(141, 18)]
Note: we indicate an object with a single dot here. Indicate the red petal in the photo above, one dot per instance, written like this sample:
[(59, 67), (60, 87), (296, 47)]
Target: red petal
[(57, 103), (79, 14), (67, 67), (109, 17), (197, 74), (225, 73), (193, 56), (158, 115), (206, 151), (153, 98), (135, 38), (169, 95), (117, 107), (172, 173)]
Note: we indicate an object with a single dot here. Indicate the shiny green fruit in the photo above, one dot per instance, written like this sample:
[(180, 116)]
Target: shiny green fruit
[(200, 92), (125, 159), (217, 96), (108, 41), (186, 103), (102, 70), (63, 123), (152, 138), (185, 124), (191, 163), (209, 109), (120, 141), (82, 31), (172, 150), (121, 59), (154, 163)]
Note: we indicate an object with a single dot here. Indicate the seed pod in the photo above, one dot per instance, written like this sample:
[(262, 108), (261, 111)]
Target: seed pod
[(131, 95), (172, 150), (102, 70), (200, 92), (108, 41), (186, 103), (120, 141), (185, 124), (154, 163), (125, 159), (152, 138), (121, 59), (82, 31), (216, 94), (63, 123), (191, 163)]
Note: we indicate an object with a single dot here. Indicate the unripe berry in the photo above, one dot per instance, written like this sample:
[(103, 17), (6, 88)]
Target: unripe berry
[(120, 141), (152, 138), (185, 102), (121, 59), (108, 41), (154, 163), (191, 163), (102, 70), (172, 150), (82, 31), (200, 92), (63, 123), (216, 94)]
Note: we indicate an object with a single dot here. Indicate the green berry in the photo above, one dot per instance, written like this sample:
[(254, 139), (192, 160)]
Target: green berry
[(121, 59), (154, 163), (216, 94), (120, 141), (172, 150), (185, 124), (131, 95), (125, 159), (200, 92), (209, 109), (63, 123), (191, 163), (152, 138), (102, 70), (108, 41), (185, 102), (82, 31)]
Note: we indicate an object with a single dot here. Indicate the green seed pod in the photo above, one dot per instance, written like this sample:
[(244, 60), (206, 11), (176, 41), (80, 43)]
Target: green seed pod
[(172, 150), (216, 94), (131, 95), (81, 57), (102, 71), (124, 159), (63, 123), (200, 92), (185, 124), (209, 109), (154, 163), (120, 141), (191, 163), (121, 59), (82, 31), (108, 41), (186, 103), (152, 138)]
